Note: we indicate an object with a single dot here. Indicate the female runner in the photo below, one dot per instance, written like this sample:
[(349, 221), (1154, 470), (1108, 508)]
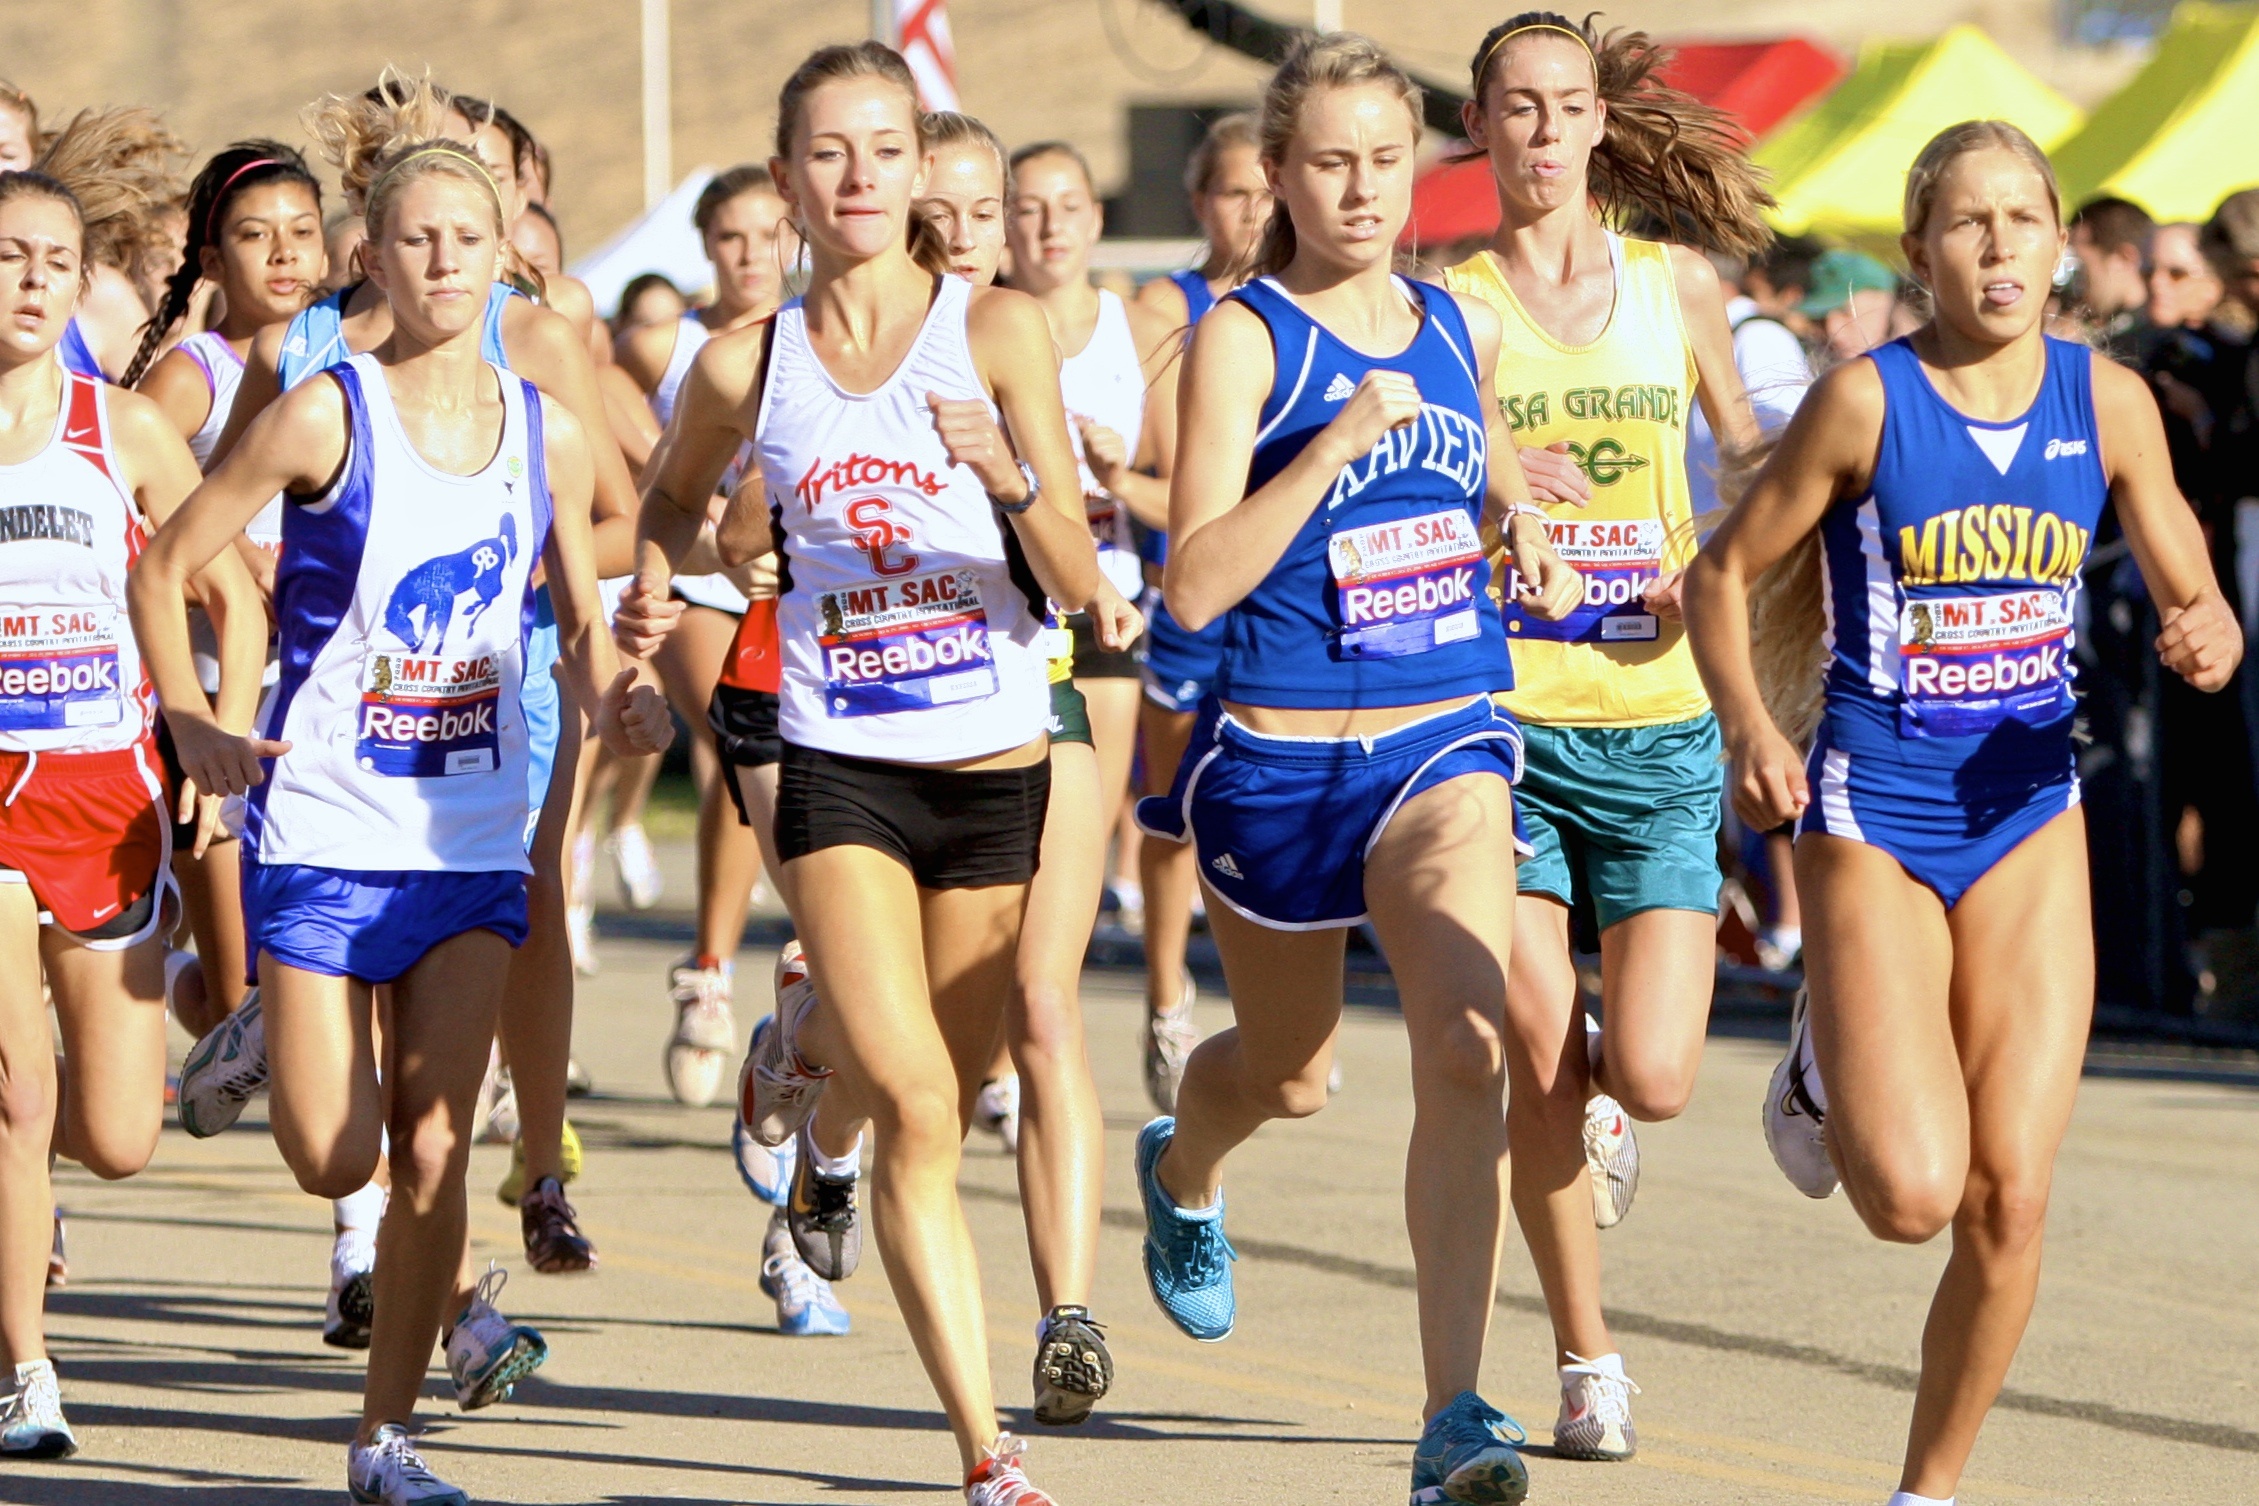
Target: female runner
[(1953, 480), (255, 234), (1607, 342), (915, 766), (741, 220), (421, 482), (1232, 202), (1357, 766), (85, 895), (131, 150)]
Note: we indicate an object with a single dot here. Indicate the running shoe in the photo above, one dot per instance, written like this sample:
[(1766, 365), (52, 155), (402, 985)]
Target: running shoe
[(806, 1305), (827, 1228), (1595, 1421), (501, 1123), (1187, 1259), (997, 1110), (554, 1244), (641, 882), (1000, 1479), (387, 1471), (1072, 1367), (352, 1291), (1611, 1159), (487, 1354), (765, 1170), (776, 1090), (570, 1159), (58, 1265), (1468, 1454), (31, 1416), (580, 938), (1795, 1118), (224, 1071), (578, 1084), (705, 1035), (1169, 1038)]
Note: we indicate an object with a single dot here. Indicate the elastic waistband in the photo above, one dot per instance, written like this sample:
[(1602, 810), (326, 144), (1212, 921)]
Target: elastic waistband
[(890, 769), (102, 765), (1412, 739)]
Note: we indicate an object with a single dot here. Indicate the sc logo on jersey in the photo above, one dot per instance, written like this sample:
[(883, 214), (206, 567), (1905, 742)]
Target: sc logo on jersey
[(1605, 462)]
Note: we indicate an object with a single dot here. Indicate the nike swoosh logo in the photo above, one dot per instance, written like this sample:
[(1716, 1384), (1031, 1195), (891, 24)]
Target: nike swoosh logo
[(79, 436)]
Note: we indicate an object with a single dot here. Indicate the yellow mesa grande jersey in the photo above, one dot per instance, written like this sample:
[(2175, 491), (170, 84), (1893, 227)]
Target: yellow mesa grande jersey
[(1621, 405)]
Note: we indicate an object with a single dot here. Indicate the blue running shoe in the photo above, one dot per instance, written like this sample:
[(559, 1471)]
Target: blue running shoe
[(1467, 1457), (806, 1305), (765, 1171), (1187, 1259)]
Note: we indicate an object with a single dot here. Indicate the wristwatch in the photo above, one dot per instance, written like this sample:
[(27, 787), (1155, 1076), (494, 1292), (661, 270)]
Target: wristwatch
[(1035, 490)]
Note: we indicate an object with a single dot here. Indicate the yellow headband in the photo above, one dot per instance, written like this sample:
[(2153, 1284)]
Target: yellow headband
[(441, 151), (1491, 51)]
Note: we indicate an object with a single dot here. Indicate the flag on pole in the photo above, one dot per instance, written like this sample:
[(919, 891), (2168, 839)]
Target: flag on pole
[(921, 33)]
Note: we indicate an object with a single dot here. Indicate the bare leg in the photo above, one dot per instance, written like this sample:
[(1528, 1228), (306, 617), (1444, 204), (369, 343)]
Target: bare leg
[(1657, 970), (537, 1003), (1166, 869), (729, 856), (211, 889)]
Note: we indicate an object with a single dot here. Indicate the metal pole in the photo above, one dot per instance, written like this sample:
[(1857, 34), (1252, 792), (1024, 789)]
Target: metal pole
[(658, 106), (882, 21), (1326, 15)]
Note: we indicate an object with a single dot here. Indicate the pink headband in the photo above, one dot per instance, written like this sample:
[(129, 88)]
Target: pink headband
[(221, 197)]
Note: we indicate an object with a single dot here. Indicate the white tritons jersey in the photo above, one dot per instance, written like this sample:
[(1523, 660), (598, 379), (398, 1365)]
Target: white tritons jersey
[(1103, 383), (70, 674), (904, 634), (405, 599)]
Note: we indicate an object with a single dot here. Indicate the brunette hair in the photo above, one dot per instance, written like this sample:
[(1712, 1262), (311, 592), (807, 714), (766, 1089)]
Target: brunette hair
[(950, 128), (728, 184), (1665, 157), (1035, 149), (1224, 132), (927, 246), (229, 175), (2231, 236), (117, 166), (1336, 60), (1957, 141)]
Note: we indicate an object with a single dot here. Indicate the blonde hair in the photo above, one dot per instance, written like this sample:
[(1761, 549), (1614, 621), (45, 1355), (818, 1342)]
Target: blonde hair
[(1336, 60), (1665, 158), (387, 137), (1957, 141), (1224, 132), (951, 128), (17, 100), (927, 246), (120, 167)]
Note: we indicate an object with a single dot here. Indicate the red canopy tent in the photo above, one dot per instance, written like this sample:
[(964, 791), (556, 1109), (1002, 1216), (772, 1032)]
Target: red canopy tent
[(1758, 83)]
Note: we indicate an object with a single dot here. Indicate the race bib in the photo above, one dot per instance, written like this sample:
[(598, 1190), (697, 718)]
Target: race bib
[(1407, 587), (1969, 663), (1619, 560), (59, 668), (427, 716), (905, 645), (1117, 548)]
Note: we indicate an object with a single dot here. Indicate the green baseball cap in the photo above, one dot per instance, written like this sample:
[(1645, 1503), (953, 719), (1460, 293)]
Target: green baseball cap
[(1836, 275)]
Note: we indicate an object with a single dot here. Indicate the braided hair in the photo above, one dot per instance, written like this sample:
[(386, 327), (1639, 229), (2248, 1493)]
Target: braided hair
[(231, 173)]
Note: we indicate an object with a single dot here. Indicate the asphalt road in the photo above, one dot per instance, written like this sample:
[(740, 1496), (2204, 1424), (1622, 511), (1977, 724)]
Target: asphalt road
[(1773, 1340)]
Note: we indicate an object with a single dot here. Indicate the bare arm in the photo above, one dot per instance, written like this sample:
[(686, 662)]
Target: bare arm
[(1702, 305), (1141, 481), (1011, 345), (634, 425), (260, 386), (175, 383), (549, 352), (1547, 584)]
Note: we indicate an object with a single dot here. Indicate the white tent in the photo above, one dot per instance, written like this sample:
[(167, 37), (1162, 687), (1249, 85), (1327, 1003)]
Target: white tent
[(661, 239)]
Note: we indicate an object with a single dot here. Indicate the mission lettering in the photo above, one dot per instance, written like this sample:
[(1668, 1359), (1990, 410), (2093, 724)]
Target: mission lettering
[(1998, 542)]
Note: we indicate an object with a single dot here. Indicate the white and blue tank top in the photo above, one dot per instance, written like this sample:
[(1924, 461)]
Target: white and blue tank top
[(405, 602), (1382, 597), (1952, 585), (315, 338)]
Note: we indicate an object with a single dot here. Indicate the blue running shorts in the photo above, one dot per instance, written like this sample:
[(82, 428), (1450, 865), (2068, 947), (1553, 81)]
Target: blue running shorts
[(371, 925), (1947, 808), (1283, 825), (1180, 665)]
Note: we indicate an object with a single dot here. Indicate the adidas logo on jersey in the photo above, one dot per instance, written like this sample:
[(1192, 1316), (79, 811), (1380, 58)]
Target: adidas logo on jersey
[(1340, 388), (2057, 447), (1223, 864)]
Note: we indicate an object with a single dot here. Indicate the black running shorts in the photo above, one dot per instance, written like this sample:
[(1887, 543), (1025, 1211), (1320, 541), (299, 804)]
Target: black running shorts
[(952, 828)]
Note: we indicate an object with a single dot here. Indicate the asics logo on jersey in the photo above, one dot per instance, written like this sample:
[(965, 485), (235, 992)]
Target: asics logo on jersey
[(1340, 389), (1223, 864), (1442, 440), (1996, 543), (2057, 447), (44, 520), (876, 535), (422, 607), (1605, 462), (862, 470)]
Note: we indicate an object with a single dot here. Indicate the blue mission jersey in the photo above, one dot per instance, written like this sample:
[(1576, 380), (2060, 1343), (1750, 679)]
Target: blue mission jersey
[(1381, 599), (1952, 585)]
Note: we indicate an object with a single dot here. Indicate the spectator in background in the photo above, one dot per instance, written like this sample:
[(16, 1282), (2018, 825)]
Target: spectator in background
[(2183, 289), (1778, 281), (1851, 301), (2110, 238), (649, 299)]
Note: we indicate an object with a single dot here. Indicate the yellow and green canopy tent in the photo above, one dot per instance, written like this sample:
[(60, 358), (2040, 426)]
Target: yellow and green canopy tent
[(1839, 169), (2178, 138)]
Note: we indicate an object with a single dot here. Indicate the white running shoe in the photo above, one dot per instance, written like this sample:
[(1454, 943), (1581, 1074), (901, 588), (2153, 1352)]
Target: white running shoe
[(580, 936), (501, 1124), (997, 1110), (705, 1036), (776, 1090), (1169, 1039), (224, 1071), (1611, 1159), (1595, 1421), (1000, 1479), (1796, 1111), (387, 1471), (352, 1290), (487, 1354), (31, 1416), (641, 882)]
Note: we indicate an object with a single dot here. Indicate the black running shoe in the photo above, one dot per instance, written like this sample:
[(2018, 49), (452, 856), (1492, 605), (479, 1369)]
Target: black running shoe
[(827, 1228), (554, 1243), (1072, 1368)]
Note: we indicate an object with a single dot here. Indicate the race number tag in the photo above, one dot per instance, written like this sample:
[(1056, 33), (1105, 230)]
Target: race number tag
[(1407, 587), (1969, 663), (427, 716), (59, 668), (1619, 560), (905, 645)]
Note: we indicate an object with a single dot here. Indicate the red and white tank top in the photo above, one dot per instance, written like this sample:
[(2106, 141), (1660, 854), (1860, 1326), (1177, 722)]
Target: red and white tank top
[(70, 674), (904, 636)]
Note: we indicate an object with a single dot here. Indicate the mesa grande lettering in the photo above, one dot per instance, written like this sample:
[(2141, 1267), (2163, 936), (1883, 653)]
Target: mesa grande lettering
[(1999, 542), (1651, 403)]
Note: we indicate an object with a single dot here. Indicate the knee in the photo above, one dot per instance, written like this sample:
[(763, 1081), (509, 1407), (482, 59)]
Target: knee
[(331, 1172), (1296, 1095), (1908, 1209), (425, 1156), (920, 1122), (2006, 1212), (27, 1108), (1468, 1056), (114, 1152), (1048, 1027), (1649, 1088)]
